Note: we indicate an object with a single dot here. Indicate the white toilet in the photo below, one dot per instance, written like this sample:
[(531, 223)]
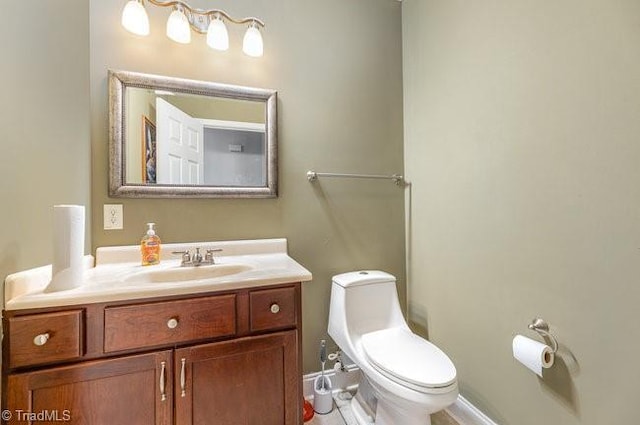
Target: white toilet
[(405, 378)]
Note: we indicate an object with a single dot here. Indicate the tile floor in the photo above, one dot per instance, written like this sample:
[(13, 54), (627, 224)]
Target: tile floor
[(341, 414)]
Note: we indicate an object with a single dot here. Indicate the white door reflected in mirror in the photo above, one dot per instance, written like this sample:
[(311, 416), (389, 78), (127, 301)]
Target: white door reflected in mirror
[(179, 146)]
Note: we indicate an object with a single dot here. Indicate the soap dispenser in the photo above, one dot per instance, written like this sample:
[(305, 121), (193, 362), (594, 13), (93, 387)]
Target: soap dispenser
[(150, 247)]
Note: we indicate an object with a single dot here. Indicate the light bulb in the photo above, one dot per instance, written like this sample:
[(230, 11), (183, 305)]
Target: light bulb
[(178, 27), (252, 43), (134, 18), (217, 35)]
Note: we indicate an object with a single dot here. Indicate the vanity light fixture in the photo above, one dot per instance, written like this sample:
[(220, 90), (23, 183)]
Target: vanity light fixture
[(135, 19), (252, 42), (217, 35), (178, 27), (184, 18)]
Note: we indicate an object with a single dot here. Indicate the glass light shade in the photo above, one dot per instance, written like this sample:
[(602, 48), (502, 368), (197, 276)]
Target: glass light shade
[(217, 35), (252, 43), (178, 27), (135, 19)]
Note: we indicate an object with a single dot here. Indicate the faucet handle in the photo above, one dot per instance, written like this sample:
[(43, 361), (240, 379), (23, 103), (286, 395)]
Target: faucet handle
[(186, 256), (209, 256)]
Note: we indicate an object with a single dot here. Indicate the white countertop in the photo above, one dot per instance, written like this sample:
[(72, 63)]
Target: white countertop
[(109, 279)]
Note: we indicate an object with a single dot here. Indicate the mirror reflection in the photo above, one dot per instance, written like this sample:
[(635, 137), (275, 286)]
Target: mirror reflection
[(185, 139), (173, 137)]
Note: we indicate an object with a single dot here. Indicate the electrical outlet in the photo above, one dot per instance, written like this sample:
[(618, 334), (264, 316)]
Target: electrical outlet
[(113, 219)]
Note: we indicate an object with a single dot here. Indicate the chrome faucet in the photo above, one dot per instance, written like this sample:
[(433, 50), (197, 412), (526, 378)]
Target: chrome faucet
[(196, 259)]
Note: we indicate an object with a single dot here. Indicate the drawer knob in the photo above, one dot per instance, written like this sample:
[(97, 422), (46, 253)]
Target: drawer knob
[(41, 339), (275, 308), (172, 323)]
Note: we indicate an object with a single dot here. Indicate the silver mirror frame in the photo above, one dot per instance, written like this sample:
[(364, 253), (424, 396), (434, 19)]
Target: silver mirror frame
[(118, 187)]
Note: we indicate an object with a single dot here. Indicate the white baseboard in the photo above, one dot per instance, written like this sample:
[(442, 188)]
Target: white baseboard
[(466, 413), (461, 410)]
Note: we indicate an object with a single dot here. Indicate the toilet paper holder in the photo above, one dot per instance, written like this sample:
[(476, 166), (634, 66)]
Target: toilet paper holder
[(542, 328)]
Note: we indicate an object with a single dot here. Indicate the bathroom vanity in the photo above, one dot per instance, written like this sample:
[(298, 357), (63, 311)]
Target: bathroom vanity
[(207, 349)]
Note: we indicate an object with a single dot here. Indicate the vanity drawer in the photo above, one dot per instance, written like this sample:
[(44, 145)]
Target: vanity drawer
[(45, 338), (272, 309), (168, 322)]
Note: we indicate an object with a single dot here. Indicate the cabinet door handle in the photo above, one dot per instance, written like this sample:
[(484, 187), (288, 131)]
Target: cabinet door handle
[(163, 395), (183, 378), (172, 323), (275, 308), (41, 339)]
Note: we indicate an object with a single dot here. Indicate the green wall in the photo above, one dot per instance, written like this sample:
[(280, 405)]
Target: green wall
[(44, 126), (521, 142), (337, 67), (220, 108)]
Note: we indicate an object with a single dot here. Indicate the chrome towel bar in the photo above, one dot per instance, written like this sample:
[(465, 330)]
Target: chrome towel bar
[(397, 178)]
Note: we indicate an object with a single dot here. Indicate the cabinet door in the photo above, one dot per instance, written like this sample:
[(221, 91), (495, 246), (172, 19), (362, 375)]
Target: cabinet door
[(248, 381), (129, 390)]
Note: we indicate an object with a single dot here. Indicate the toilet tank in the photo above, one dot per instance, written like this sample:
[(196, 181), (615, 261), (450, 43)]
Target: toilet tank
[(362, 302)]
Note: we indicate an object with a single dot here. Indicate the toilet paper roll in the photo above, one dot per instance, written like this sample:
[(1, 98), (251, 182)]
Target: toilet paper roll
[(68, 247), (533, 354)]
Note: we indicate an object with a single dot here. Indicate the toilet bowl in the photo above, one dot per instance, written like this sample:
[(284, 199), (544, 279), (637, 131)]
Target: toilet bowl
[(405, 377)]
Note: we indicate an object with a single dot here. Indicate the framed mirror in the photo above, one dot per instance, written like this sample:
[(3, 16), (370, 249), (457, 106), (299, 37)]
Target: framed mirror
[(178, 138)]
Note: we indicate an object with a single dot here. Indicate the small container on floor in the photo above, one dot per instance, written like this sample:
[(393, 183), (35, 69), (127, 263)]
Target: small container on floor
[(307, 411), (322, 396)]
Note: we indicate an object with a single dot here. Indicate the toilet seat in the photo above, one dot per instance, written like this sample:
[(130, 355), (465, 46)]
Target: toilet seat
[(407, 359)]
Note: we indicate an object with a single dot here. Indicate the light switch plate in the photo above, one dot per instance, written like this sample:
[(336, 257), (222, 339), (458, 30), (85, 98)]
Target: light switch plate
[(113, 219)]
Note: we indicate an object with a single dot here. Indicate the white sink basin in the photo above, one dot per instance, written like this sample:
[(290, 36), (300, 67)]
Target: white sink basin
[(185, 274)]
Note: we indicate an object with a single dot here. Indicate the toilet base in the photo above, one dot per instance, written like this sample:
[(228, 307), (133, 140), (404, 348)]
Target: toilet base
[(384, 417), (362, 415), (388, 415), (385, 414)]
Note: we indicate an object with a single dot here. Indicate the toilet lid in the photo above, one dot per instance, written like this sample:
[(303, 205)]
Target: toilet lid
[(403, 356)]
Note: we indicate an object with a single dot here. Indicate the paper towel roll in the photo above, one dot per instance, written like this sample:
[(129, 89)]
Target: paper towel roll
[(68, 247), (533, 354)]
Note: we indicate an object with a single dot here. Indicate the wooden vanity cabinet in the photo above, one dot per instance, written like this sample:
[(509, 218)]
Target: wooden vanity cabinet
[(217, 358), (124, 390), (239, 382)]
